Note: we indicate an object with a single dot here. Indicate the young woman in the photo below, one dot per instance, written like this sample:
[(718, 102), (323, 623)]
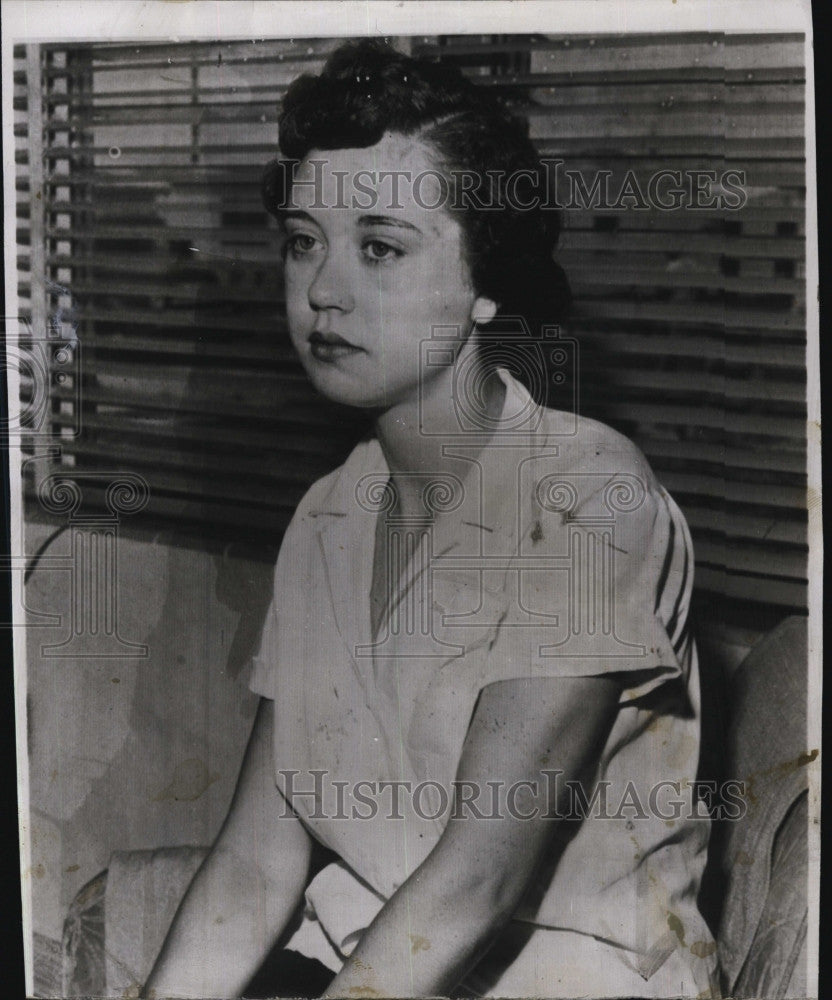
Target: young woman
[(479, 689)]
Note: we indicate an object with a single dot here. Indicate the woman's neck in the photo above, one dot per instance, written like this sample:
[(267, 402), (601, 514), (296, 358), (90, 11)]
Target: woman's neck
[(413, 456)]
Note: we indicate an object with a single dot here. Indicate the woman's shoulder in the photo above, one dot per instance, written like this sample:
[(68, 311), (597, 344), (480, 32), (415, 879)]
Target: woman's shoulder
[(601, 486), (588, 445), (597, 461), (580, 454), (593, 474)]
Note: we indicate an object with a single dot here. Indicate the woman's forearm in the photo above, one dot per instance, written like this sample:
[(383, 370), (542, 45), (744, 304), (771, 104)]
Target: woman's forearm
[(442, 919), (426, 938), (244, 894), (225, 927)]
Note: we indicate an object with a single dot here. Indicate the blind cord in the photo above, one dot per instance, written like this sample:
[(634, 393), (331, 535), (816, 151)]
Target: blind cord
[(33, 562)]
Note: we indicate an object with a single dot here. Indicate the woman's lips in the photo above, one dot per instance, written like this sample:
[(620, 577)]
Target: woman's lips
[(330, 346)]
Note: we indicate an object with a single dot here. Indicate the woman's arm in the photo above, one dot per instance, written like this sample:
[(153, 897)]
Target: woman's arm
[(246, 890), (437, 925)]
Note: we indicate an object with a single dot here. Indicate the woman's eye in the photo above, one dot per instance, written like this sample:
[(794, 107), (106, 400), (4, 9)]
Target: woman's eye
[(378, 251), (300, 244)]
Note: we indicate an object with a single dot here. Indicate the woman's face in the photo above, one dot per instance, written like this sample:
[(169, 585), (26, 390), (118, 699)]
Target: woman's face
[(366, 285)]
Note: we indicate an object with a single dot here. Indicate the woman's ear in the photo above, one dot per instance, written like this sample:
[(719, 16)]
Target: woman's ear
[(483, 310)]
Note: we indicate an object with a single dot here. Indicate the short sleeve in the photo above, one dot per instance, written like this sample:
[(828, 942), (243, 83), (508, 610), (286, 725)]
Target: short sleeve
[(600, 589), (264, 662)]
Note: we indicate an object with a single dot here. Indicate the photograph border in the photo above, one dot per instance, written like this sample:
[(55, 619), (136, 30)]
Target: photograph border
[(122, 20)]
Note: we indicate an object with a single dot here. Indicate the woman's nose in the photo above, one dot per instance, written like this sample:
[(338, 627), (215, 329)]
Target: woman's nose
[(330, 288)]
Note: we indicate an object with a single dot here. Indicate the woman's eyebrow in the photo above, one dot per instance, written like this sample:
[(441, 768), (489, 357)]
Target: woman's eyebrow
[(296, 213), (388, 220)]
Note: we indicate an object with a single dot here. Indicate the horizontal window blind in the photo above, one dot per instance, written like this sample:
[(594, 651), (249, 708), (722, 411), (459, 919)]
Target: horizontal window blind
[(690, 324), (165, 269), (145, 250)]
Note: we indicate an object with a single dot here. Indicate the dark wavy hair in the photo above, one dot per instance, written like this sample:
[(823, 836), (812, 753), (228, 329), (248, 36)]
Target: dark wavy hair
[(367, 89)]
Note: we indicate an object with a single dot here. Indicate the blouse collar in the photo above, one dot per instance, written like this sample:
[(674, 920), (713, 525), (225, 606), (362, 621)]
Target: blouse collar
[(359, 485), (486, 523)]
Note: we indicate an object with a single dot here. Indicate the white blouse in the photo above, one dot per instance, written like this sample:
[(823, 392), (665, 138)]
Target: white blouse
[(558, 556)]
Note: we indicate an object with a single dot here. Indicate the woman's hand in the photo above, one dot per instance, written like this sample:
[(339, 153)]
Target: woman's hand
[(438, 924), (246, 890)]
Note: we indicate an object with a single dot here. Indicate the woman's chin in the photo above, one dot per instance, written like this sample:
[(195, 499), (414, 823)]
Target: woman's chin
[(345, 388)]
